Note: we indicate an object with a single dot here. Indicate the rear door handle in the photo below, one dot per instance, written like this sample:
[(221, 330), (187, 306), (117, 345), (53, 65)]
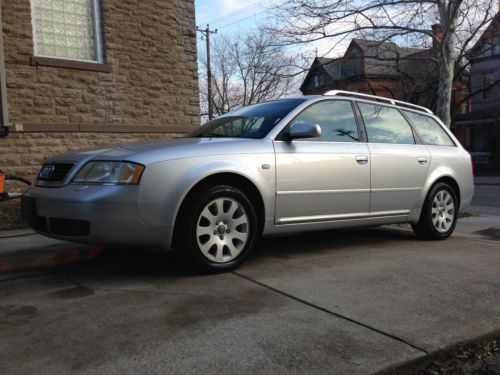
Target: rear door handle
[(362, 159), (422, 160)]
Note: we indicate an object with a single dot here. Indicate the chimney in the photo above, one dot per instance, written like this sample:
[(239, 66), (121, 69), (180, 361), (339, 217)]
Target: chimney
[(437, 32)]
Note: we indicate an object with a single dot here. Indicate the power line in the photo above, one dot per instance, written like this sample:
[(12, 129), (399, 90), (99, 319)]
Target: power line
[(242, 19), (223, 19), (237, 12)]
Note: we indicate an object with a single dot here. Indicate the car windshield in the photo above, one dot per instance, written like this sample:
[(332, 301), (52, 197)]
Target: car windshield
[(254, 121)]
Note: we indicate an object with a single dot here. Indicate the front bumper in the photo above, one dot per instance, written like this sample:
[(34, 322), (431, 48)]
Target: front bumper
[(93, 214)]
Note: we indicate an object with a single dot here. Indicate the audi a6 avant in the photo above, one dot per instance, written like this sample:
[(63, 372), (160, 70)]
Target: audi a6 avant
[(305, 163)]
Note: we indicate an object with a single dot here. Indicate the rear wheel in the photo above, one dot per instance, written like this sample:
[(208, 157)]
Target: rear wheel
[(218, 229), (439, 214)]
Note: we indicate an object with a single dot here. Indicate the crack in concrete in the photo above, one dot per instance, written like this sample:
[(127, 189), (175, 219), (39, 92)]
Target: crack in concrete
[(333, 313)]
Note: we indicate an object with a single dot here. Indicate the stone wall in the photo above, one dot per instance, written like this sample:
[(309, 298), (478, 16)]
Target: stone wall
[(153, 78), (150, 47)]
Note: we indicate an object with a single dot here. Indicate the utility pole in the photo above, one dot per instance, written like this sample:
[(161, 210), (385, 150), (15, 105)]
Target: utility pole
[(206, 33)]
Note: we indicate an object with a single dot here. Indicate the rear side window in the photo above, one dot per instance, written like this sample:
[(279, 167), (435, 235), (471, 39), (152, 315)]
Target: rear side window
[(385, 124), (336, 118), (429, 130)]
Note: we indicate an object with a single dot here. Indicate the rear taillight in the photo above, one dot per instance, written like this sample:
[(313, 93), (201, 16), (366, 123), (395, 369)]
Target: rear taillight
[(472, 165)]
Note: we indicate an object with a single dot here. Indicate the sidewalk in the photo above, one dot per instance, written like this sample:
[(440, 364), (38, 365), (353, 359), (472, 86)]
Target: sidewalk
[(487, 180)]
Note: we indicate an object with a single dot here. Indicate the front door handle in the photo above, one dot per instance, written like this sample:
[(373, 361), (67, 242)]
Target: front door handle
[(422, 160), (362, 159)]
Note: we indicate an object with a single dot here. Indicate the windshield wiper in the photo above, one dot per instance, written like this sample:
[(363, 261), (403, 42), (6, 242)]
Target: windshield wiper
[(207, 134)]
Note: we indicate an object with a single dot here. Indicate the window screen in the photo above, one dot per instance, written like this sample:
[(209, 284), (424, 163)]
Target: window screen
[(385, 124), (65, 28), (336, 119), (429, 130)]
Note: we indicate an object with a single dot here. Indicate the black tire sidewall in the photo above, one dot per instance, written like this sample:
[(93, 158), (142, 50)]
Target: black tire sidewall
[(426, 225), (200, 200)]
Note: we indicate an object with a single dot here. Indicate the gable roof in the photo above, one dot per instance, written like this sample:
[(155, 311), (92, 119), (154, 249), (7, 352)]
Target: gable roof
[(383, 49), (332, 66), (385, 58)]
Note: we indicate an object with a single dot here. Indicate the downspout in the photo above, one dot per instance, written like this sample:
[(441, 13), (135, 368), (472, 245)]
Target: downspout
[(4, 120)]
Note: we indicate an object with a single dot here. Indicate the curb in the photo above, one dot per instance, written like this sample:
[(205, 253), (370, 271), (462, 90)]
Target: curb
[(411, 366)]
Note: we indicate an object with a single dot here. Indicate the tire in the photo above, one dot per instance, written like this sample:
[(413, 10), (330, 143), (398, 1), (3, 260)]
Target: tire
[(439, 214), (217, 229)]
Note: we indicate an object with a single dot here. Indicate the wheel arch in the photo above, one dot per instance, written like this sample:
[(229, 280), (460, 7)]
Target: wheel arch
[(236, 180), (452, 182)]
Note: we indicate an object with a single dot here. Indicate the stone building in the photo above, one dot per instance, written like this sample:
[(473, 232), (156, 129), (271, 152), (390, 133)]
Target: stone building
[(78, 73)]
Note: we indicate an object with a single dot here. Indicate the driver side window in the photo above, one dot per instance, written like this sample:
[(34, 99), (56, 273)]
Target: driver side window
[(336, 118)]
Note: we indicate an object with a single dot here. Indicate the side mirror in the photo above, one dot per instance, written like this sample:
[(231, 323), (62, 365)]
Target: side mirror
[(304, 130)]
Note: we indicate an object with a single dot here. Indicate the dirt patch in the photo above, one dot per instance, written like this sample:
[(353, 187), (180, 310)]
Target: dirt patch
[(480, 358), (10, 215), (71, 293)]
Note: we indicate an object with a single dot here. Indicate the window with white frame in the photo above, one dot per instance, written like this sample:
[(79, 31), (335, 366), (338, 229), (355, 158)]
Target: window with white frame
[(67, 29)]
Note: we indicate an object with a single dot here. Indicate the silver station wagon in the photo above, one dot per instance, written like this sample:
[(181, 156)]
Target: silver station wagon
[(304, 163)]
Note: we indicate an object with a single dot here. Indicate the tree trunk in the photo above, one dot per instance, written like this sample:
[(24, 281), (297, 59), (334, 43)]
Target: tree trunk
[(446, 74), (449, 11)]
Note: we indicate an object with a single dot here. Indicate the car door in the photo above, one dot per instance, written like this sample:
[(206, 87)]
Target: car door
[(325, 178), (399, 165)]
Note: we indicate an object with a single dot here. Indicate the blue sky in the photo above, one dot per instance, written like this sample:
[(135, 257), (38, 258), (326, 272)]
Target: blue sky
[(236, 16), (231, 16)]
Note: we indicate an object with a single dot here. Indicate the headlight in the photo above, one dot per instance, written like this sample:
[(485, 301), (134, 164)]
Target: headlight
[(110, 172)]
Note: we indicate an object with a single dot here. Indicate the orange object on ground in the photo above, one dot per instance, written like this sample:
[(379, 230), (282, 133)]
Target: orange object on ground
[(67, 256), (2, 183)]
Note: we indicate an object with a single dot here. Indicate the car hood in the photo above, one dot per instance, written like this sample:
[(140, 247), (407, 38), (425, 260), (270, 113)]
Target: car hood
[(156, 151)]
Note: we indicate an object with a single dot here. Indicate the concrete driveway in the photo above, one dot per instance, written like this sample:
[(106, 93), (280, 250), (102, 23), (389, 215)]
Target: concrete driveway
[(337, 302)]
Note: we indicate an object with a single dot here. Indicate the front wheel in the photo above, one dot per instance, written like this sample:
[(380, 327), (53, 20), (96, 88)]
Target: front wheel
[(439, 214), (219, 228)]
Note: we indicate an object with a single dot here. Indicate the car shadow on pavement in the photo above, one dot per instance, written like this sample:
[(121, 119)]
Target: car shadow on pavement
[(141, 263), (328, 241)]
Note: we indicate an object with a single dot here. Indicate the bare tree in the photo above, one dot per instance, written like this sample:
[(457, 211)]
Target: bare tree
[(246, 69), (402, 21)]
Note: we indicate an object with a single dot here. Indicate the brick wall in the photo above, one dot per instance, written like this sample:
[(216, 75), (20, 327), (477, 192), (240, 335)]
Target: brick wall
[(153, 81)]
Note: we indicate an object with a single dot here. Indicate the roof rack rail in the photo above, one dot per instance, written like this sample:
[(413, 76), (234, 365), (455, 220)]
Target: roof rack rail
[(378, 98)]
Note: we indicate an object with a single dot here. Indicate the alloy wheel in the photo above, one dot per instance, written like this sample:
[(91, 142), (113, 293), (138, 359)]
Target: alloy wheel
[(443, 211), (222, 230)]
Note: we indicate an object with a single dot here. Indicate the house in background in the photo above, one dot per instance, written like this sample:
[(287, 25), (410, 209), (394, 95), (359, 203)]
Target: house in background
[(80, 73), (479, 130), (384, 69)]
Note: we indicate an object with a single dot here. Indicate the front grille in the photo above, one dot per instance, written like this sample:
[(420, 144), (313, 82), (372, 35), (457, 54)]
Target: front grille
[(54, 172)]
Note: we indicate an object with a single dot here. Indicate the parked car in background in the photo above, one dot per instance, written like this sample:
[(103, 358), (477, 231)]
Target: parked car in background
[(305, 163)]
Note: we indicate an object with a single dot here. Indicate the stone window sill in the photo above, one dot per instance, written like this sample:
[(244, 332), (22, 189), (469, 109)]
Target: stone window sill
[(69, 64), (98, 128)]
